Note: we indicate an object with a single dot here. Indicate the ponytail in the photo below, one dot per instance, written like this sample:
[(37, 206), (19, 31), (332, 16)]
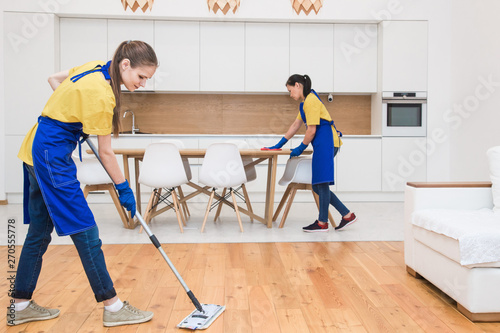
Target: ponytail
[(304, 80), (139, 54)]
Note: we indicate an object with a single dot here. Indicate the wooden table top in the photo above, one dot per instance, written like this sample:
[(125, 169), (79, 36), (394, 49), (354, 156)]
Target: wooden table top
[(257, 153)]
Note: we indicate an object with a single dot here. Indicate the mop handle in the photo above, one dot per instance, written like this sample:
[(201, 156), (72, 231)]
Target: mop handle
[(153, 239)]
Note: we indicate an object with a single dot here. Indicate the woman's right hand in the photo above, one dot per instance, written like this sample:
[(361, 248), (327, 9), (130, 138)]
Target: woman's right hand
[(278, 145)]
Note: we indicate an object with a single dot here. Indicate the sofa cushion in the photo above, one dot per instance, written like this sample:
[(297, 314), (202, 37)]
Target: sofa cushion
[(476, 231), (494, 162)]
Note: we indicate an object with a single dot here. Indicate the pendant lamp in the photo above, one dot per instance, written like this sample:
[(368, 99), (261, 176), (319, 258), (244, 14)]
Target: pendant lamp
[(306, 6), (223, 5), (134, 4)]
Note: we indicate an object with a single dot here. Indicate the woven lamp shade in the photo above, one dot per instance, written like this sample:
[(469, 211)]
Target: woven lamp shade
[(223, 5), (306, 6), (134, 4)]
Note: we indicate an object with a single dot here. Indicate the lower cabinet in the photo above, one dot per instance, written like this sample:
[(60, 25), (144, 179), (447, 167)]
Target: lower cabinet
[(403, 160), (359, 165)]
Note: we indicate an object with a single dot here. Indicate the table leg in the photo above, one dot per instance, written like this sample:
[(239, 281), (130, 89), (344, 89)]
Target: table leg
[(126, 173), (271, 185)]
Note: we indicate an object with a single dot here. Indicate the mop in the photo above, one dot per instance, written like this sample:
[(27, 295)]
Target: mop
[(205, 314)]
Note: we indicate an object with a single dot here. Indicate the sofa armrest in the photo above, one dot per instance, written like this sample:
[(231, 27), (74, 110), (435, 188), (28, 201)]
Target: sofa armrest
[(442, 195)]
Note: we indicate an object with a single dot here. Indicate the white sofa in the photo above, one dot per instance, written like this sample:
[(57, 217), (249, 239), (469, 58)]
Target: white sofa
[(439, 218)]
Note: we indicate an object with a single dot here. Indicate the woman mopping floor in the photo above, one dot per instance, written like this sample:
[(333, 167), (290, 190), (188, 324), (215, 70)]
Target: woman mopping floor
[(86, 100), (325, 139)]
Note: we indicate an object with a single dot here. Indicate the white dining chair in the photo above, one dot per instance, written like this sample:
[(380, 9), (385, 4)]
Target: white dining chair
[(297, 176), (162, 169), (189, 174), (91, 173), (222, 167), (251, 174)]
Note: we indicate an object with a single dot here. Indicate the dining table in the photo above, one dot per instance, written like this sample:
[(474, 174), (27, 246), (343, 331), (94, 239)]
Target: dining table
[(259, 156)]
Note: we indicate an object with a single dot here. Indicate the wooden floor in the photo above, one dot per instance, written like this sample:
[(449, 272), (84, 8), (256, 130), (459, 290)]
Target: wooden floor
[(266, 287)]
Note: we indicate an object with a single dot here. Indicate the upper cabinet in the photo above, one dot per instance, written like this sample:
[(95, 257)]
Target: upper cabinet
[(355, 58), (83, 40), (222, 56), (124, 30), (31, 55), (178, 54), (311, 53), (267, 60), (404, 55)]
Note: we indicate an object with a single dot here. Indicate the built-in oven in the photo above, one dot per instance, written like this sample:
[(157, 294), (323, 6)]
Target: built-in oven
[(404, 113)]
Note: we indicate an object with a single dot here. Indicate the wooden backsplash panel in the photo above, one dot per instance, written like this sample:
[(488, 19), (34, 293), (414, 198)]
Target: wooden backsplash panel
[(161, 113)]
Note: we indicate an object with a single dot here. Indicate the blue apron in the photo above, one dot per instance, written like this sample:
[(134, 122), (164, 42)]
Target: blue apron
[(323, 146), (55, 171)]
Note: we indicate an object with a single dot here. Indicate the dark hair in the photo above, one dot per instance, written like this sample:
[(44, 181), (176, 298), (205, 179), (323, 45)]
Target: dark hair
[(304, 80), (140, 54)]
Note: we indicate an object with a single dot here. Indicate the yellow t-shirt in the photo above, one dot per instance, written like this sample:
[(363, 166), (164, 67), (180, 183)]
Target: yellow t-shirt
[(314, 111), (89, 101)]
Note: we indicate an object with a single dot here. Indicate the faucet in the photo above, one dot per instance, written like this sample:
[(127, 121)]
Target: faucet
[(133, 120)]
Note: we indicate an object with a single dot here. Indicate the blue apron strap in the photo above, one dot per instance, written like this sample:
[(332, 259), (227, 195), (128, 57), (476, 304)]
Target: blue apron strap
[(104, 69), (302, 113), (81, 137)]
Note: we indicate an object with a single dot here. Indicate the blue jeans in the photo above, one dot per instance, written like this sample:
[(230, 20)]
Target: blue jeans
[(327, 197), (37, 240)]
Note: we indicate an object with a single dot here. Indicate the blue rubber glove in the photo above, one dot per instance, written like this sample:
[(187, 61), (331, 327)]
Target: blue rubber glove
[(126, 197), (298, 150), (279, 144)]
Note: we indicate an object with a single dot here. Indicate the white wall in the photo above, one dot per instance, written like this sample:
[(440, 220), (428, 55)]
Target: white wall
[(475, 59), (2, 112), (463, 47)]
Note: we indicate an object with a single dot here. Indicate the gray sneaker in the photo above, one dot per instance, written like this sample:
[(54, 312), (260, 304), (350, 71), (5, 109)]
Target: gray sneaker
[(127, 315), (33, 312)]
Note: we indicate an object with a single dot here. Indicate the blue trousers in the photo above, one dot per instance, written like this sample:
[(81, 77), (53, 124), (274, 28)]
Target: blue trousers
[(326, 198), (87, 243)]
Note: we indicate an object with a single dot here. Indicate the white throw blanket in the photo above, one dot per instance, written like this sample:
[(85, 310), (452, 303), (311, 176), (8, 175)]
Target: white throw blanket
[(477, 231)]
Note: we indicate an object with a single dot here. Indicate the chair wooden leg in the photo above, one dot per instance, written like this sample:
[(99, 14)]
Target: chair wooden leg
[(177, 209), (330, 217), (181, 211), (184, 204), (147, 217), (236, 209), (282, 202), (219, 207), (247, 199), (287, 208), (208, 209)]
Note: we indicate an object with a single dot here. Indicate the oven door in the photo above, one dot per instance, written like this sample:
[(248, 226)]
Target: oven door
[(404, 117)]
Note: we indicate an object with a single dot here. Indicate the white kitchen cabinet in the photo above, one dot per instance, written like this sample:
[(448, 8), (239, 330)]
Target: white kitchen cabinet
[(311, 53), (355, 58), (222, 56), (13, 165), (177, 45), (82, 40), (267, 60), (404, 55), (30, 56), (403, 160), (124, 30), (359, 165)]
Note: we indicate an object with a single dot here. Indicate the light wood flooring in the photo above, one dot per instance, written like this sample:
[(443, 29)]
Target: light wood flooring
[(266, 287)]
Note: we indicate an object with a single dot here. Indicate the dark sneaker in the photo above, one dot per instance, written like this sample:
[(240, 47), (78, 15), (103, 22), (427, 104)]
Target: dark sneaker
[(346, 222), (33, 312), (316, 227), (127, 315)]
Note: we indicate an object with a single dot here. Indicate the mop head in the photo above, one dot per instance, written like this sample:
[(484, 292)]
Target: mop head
[(200, 320)]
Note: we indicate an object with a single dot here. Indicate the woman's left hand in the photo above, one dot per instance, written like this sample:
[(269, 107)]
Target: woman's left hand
[(298, 150)]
